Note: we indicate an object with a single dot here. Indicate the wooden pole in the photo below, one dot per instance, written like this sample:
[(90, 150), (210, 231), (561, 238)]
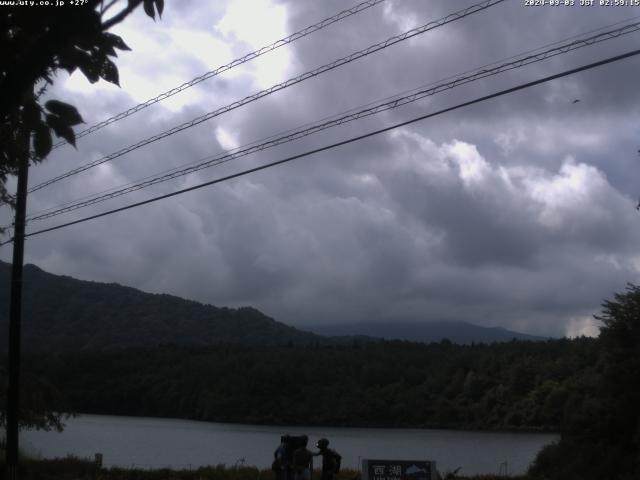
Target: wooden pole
[(15, 317)]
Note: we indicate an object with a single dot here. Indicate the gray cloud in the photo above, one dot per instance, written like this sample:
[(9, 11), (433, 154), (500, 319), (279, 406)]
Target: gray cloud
[(516, 212)]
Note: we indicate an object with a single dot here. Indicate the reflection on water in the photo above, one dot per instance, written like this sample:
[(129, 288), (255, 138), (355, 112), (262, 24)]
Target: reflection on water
[(155, 443)]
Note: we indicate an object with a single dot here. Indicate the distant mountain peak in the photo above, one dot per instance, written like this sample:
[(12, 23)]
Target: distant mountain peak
[(460, 332), (62, 313), (29, 266)]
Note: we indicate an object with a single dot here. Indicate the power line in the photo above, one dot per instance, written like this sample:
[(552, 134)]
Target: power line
[(223, 158), (304, 131), (280, 86), (318, 126), (343, 142), (504, 59), (238, 61)]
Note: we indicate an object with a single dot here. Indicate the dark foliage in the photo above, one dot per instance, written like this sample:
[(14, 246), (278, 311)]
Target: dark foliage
[(34, 45), (516, 385), (601, 438), (62, 314), (37, 396)]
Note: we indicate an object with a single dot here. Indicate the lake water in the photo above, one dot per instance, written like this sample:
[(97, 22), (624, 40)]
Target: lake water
[(155, 443)]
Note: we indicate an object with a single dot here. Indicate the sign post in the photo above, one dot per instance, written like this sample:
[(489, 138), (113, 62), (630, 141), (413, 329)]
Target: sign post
[(398, 470)]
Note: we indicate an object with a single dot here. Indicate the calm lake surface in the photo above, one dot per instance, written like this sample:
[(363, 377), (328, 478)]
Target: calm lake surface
[(155, 443)]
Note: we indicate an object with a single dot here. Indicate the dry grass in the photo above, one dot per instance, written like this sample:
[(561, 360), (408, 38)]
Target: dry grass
[(72, 468)]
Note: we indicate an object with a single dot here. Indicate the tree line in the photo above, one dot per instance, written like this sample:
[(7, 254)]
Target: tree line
[(514, 385), (585, 388)]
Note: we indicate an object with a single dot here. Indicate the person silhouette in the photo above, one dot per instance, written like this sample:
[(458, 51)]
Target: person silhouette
[(302, 461), (330, 459)]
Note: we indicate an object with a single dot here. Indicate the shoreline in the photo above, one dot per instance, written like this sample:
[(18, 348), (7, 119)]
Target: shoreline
[(527, 430)]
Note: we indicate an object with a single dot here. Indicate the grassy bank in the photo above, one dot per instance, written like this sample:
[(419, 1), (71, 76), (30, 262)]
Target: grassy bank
[(79, 469)]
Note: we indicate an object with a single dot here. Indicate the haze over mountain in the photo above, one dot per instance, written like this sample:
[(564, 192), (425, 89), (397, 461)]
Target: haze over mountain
[(65, 314), (426, 332)]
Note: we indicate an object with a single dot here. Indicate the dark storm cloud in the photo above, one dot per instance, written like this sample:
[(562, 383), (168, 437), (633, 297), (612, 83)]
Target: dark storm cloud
[(516, 212)]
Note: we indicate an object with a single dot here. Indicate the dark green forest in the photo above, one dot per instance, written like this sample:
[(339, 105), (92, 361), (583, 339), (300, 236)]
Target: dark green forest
[(107, 349), (601, 439), (63, 314), (515, 385)]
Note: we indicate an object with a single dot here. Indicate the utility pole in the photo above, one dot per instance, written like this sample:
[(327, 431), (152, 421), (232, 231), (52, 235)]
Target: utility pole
[(15, 317)]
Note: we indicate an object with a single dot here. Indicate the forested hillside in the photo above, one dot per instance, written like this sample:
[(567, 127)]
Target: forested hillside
[(62, 314), (502, 386)]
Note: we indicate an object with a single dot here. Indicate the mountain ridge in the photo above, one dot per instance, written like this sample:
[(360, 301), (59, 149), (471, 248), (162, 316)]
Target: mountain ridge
[(61, 313), (425, 332), (64, 314)]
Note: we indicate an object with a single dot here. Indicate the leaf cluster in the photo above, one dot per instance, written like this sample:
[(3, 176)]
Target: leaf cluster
[(33, 49), (37, 395), (602, 438)]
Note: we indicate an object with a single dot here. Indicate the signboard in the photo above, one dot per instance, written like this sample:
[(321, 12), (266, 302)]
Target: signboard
[(398, 470)]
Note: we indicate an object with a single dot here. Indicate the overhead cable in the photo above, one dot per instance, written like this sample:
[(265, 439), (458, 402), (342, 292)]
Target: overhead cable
[(238, 61), (343, 142), (280, 86), (372, 109)]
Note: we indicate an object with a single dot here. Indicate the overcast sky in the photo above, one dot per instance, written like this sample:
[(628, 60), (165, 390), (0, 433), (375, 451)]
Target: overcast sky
[(517, 212)]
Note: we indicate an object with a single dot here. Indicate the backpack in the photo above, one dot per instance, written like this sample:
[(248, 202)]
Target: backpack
[(302, 458), (292, 444)]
